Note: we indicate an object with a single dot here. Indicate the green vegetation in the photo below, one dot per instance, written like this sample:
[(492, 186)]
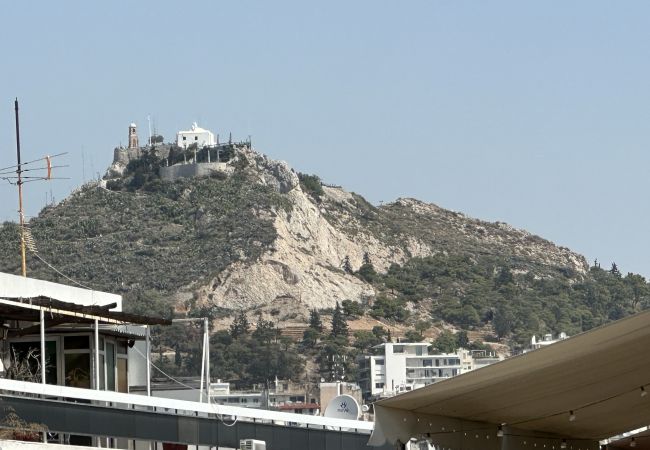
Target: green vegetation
[(473, 292), (254, 357), (312, 185), (148, 242)]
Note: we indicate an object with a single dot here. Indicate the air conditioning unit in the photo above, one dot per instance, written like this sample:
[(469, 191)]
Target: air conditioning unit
[(251, 444)]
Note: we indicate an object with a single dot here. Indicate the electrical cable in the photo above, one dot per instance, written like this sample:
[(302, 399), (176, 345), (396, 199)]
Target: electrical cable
[(185, 385), (163, 372), (575, 410), (59, 272)]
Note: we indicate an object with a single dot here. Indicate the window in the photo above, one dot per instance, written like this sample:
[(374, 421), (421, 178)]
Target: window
[(102, 374), (110, 366), (185, 138), (77, 367), (76, 343), (77, 370), (196, 138), (122, 375), (418, 351), (398, 349), (379, 385), (379, 362), (30, 354), (427, 363), (121, 347)]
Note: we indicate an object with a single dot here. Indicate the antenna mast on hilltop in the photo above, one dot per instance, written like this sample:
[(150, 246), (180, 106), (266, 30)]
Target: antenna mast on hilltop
[(7, 174), (149, 120)]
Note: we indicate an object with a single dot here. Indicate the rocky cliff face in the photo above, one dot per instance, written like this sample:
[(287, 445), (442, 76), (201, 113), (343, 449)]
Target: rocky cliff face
[(313, 240), (253, 237)]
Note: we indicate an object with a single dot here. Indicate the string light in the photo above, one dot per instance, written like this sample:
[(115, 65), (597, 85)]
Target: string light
[(572, 416), (643, 392), (500, 431), (633, 443), (563, 444)]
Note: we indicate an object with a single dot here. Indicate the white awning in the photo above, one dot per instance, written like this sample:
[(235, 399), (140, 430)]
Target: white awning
[(582, 390)]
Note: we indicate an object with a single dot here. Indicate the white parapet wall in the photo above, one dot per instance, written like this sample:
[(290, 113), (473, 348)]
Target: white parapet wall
[(21, 445), (13, 286), (177, 171)]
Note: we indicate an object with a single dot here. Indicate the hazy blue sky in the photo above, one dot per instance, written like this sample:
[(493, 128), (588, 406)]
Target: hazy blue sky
[(532, 113)]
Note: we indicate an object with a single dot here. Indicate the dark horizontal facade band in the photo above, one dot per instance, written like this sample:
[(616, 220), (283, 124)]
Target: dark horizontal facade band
[(85, 419)]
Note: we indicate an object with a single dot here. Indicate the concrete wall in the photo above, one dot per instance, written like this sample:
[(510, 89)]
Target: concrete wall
[(12, 286), (395, 368), (177, 171)]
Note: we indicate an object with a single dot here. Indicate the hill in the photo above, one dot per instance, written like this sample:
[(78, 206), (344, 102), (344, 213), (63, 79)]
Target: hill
[(257, 236)]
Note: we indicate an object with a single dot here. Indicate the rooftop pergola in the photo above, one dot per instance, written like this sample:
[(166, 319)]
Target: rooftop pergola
[(47, 312), (28, 310), (571, 394)]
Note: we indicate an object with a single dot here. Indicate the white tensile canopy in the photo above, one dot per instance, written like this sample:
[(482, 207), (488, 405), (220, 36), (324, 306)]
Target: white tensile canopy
[(571, 395)]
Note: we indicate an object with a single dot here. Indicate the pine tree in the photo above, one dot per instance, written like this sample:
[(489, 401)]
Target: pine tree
[(239, 326), (366, 258), (347, 267), (339, 324), (315, 321)]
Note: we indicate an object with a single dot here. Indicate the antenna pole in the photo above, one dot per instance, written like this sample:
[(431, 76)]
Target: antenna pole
[(21, 214), (149, 120)]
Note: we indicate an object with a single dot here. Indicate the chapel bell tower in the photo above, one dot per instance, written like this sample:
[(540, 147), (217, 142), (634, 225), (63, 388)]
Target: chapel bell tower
[(133, 137)]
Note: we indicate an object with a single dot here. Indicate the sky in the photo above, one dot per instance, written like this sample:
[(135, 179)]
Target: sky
[(532, 113)]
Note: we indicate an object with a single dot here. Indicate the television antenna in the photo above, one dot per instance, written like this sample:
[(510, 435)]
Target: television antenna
[(40, 170)]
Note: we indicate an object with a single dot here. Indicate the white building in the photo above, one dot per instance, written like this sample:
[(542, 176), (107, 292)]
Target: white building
[(197, 135), (545, 340), (286, 396), (401, 367)]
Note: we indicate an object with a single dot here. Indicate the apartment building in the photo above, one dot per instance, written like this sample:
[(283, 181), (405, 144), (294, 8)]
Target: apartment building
[(401, 367)]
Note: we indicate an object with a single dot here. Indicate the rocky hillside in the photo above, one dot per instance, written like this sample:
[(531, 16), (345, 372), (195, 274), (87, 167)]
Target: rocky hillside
[(254, 237)]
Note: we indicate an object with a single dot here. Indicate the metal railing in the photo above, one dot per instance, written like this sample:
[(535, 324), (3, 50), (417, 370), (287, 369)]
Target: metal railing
[(180, 407)]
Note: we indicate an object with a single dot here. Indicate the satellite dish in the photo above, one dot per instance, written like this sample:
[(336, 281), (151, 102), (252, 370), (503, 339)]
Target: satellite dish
[(342, 407)]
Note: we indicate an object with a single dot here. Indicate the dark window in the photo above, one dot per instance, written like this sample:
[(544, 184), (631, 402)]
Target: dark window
[(77, 370), (76, 343), (30, 354), (196, 138), (379, 362), (121, 347), (185, 138)]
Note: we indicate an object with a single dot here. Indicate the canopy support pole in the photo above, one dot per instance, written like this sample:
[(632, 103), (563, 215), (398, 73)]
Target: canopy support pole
[(42, 314), (148, 352), (207, 358), (97, 368)]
